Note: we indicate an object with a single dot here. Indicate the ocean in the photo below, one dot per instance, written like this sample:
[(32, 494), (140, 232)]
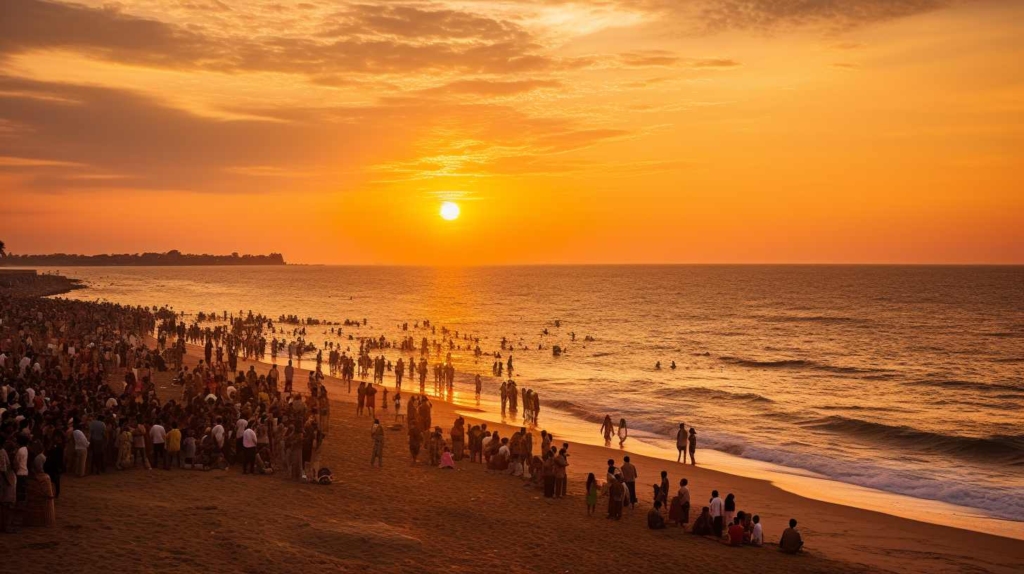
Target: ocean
[(902, 379)]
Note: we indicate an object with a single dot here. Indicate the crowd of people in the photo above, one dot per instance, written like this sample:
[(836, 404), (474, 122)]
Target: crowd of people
[(77, 396)]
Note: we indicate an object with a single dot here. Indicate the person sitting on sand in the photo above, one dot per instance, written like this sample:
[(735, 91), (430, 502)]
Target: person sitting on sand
[(791, 541), (704, 525), (377, 434), (263, 462), (729, 511), (654, 518), (446, 460), (679, 511), (756, 533), (735, 532), (536, 471)]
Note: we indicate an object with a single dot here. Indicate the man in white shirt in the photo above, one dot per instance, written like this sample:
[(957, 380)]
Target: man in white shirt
[(218, 434), (81, 451), (757, 534), (249, 450), (159, 436), (717, 513)]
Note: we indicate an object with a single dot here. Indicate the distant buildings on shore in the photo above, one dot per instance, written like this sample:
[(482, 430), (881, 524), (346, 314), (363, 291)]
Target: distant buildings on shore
[(171, 258)]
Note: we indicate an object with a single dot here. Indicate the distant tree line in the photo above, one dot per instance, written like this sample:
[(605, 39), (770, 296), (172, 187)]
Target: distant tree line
[(171, 258)]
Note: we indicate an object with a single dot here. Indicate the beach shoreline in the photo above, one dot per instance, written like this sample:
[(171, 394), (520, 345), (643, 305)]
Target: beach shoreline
[(413, 517), (841, 533)]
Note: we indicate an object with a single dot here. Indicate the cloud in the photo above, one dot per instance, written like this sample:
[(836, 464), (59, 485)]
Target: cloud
[(360, 39), (39, 25), (827, 14), (148, 144), (492, 87), (151, 145), (715, 63), (648, 58)]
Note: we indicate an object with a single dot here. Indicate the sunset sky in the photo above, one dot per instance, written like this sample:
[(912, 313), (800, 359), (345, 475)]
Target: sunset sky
[(628, 131)]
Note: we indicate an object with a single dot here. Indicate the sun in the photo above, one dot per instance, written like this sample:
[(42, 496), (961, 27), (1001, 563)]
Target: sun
[(449, 210)]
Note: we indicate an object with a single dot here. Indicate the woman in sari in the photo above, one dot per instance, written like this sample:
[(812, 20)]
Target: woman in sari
[(39, 510), (458, 435), (124, 448)]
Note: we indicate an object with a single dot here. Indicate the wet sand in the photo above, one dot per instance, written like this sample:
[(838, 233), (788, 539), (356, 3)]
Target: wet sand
[(405, 518)]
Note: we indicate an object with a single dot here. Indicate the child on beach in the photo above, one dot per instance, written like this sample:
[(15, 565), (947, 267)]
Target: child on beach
[(592, 492)]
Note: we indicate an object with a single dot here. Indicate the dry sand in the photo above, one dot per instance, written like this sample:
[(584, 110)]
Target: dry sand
[(405, 518)]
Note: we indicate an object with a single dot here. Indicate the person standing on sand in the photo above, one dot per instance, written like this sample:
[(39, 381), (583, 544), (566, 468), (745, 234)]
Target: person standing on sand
[(607, 430), (361, 397), (294, 452), (371, 400), (615, 493), (377, 434), (681, 443), (561, 462), (629, 476), (526, 445), (592, 492), (174, 445), (458, 434), (662, 491), (415, 441), (81, 451), (717, 514), (249, 442), (289, 376), (623, 433), (423, 414), (98, 445), (693, 445)]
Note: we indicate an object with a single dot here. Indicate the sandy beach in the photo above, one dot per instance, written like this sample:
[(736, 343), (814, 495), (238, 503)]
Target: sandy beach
[(418, 518)]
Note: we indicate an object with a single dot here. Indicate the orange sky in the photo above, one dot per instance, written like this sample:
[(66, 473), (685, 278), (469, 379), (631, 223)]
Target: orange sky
[(568, 132)]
